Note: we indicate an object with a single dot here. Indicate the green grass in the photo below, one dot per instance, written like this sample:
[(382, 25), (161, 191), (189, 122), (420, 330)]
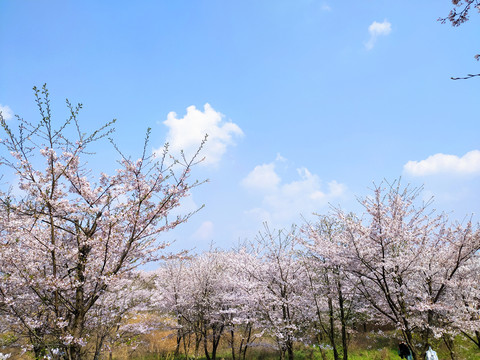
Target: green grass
[(303, 354), (370, 346)]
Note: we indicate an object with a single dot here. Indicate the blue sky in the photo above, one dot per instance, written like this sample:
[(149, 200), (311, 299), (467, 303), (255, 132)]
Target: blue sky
[(306, 102)]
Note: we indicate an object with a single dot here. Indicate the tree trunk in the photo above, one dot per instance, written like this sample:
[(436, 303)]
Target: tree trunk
[(447, 339), (186, 346), (216, 336), (290, 349), (407, 335), (98, 348), (427, 332), (232, 343), (331, 334), (198, 340), (205, 344), (243, 350), (74, 352), (179, 341), (343, 322)]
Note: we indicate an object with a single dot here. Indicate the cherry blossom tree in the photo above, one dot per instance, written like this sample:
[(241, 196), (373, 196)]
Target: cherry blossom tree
[(70, 235), (199, 292), (280, 283), (331, 291), (208, 292), (245, 315), (406, 260), (171, 297), (444, 273), (462, 309)]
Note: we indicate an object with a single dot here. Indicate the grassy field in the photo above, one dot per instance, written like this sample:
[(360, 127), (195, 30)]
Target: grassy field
[(364, 346), (160, 345)]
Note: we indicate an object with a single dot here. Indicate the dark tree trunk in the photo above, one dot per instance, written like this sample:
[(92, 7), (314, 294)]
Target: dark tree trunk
[(407, 335), (343, 321), (198, 340), (232, 343), (98, 348), (450, 346), (205, 345), (243, 347), (290, 349), (331, 334), (216, 335), (179, 341)]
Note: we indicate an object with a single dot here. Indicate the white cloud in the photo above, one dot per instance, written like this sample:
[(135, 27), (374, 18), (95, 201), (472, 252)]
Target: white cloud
[(7, 113), (445, 164), (188, 132), (263, 178), (283, 203), (205, 231), (377, 29)]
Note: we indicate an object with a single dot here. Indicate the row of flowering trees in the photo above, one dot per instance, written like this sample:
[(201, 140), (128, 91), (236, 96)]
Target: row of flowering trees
[(71, 242), (396, 265)]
